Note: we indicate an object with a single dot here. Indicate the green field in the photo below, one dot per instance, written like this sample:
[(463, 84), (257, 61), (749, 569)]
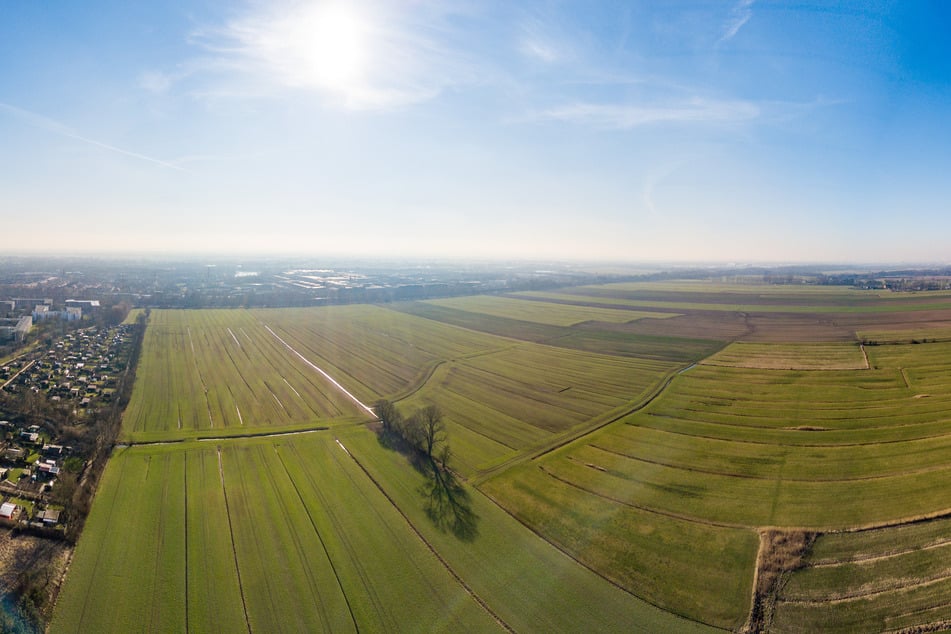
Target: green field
[(776, 356), (883, 579), (504, 402), (259, 536), (615, 470), (221, 369)]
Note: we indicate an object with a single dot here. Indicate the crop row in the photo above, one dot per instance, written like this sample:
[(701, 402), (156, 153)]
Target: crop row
[(883, 579), (219, 369), (373, 351), (814, 356), (506, 401), (694, 569), (723, 451), (253, 536)]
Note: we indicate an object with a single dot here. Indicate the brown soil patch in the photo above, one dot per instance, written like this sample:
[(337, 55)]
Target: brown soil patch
[(722, 326), (798, 327), (780, 553)]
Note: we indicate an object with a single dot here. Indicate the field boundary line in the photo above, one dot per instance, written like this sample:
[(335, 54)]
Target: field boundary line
[(234, 550), (589, 568), (324, 374), (787, 444), (911, 472), (420, 383), (576, 435), (320, 538), (185, 501), (245, 435), (165, 476), (855, 596), (646, 509), (485, 606), (862, 559)]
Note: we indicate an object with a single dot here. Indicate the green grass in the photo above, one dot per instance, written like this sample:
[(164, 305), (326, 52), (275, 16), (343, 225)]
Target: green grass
[(316, 547), (655, 556), (214, 599), (800, 356), (24, 503), (196, 373), (128, 572), (520, 397), (624, 525), (881, 579), (531, 584)]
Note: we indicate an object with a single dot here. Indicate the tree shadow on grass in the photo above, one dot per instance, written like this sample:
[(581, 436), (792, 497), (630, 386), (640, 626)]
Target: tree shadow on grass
[(449, 505), (447, 502)]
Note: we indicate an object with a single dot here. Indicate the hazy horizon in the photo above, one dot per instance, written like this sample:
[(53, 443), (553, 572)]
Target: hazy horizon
[(739, 132)]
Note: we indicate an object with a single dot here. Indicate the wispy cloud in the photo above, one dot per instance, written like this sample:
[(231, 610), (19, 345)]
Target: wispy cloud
[(541, 41), (740, 14), (365, 55), (539, 49), (56, 127), (627, 116)]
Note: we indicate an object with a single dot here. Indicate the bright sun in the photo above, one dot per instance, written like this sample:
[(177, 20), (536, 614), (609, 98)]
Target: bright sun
[(330, 42)]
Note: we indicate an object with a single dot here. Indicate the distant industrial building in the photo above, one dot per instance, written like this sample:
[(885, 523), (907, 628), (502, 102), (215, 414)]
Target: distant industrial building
[(85, 304), (42, 312), (20, 303)]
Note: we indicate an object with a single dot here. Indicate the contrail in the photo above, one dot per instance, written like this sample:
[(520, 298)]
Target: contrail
[(57, 127)]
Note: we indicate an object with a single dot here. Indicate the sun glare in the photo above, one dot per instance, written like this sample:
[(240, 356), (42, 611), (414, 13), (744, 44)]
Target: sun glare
[(331, 45)]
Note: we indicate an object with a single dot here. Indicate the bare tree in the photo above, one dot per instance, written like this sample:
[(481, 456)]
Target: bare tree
[(433, 429), (411, 429), (388, 414)]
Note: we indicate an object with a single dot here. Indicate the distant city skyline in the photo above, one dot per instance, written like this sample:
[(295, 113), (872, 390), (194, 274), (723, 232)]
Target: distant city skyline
[(743, 131)]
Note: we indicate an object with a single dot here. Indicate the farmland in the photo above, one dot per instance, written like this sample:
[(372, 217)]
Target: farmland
[(647, 464), (277, 535), (544, 312)]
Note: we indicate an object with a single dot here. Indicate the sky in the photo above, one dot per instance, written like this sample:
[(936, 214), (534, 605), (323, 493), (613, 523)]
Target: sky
[(746, 131)]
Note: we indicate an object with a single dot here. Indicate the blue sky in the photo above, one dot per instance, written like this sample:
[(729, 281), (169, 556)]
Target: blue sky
[(741, 131)]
